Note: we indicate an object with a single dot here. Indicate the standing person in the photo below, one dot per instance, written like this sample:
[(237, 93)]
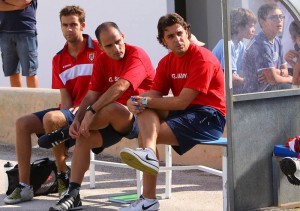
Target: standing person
[(242, 22), (18, 41), (71, 73), (264, 67), (103, 119), (196, 112)]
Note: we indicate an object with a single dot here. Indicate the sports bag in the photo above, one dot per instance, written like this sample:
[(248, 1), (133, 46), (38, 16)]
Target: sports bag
[(43, 177)]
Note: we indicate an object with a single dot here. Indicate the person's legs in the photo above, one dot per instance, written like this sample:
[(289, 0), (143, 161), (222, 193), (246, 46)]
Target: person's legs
[(32, 81), (113, 115), (26, 46), (10, 60), (25, 126), (52, 121), (15, 80)]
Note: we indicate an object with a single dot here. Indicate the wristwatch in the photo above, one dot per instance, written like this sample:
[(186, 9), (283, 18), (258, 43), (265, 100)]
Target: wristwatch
[(89, 108), (145, 102)]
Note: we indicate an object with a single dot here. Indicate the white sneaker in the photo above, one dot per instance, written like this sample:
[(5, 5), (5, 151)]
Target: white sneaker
[(141, 159), (142, 204), (20, 194)]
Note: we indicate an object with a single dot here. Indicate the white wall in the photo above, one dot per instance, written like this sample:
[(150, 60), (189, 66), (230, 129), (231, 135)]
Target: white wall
[(137, 19)]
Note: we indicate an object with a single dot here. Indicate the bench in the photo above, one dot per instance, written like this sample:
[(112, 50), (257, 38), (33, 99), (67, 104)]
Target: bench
[(168, 168)]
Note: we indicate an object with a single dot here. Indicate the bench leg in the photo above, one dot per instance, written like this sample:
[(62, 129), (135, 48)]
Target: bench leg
[(92, 171), (168, 152), (139, 183), (224, 178)]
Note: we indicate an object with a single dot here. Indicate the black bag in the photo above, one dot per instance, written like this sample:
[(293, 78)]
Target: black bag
[(43, 177)]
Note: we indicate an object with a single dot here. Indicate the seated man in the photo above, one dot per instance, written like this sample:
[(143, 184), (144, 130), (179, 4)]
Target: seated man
[(264, 68), (196, 112), (71, 61), (103, 119)]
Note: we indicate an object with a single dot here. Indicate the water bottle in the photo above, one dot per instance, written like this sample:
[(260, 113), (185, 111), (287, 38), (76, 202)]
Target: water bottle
[(7, 166)]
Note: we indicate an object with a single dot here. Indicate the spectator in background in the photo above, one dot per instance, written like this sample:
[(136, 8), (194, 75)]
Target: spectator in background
[(18, 41), (264, 68), (293, 56), (287, 43), (242, 22)]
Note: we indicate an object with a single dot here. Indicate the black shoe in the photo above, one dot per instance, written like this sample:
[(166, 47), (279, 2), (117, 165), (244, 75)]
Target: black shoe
[(55, 138), (70, 201), (290, 167)]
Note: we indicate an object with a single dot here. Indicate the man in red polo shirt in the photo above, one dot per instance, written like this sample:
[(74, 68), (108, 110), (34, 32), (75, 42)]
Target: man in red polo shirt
[(196, 112), (72, 69), (122, 70)]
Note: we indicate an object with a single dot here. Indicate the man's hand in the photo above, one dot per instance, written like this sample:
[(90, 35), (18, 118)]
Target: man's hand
[(86, 123), (74, 129), (291, 57), (134, 104)]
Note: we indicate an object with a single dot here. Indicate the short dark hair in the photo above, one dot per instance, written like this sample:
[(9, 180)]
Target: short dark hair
[(73, 10), (264, 10), (294, 30), (169, 20), (103, 27), (240, 17)]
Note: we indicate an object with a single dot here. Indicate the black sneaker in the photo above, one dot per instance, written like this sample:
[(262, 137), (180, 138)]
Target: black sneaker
[(55, 138), (291, 168), (70, 201)]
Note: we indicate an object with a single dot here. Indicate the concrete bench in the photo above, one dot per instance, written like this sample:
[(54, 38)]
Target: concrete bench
[(168, 168)]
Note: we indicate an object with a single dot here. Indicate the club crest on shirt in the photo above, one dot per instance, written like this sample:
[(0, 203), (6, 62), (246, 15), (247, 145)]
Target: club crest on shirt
[(91, 56)]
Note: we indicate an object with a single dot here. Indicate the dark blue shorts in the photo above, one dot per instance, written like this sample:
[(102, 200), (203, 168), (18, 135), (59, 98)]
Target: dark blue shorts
[(194, 125), (110, 136), (69, 118)]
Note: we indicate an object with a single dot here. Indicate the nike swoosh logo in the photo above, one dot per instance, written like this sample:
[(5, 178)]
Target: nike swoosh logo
[(145, 208), (147, 158)]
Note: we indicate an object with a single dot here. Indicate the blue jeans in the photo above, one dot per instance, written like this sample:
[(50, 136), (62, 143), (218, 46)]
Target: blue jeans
[(19, 50)]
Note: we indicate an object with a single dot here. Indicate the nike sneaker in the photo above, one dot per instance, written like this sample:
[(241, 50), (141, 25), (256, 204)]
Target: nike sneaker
[(141, 159), (142, 204)]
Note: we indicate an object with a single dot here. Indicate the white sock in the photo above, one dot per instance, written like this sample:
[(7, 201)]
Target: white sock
[(25, 185)]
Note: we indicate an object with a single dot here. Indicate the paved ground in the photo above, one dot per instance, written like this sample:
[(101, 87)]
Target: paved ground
[(191, 190), (188, 189)]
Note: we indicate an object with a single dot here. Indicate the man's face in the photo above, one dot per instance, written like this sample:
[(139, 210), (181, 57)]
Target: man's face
[(248, 31), (112, 43), (273, 23), (71, 27), (176, 39)]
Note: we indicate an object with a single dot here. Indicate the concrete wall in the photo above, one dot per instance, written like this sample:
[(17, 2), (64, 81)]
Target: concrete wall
[(137, 19), (15, 102), (260, 121)]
